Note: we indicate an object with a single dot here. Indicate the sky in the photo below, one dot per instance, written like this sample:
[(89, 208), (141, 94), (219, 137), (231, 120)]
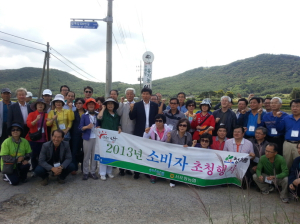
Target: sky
[(182, 35)]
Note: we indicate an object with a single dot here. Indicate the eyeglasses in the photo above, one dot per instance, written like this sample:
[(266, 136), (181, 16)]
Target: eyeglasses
[(172, 103), (88, 91), (159, 121), (204, 140), (182, 125), (15, 129), (191, 105)]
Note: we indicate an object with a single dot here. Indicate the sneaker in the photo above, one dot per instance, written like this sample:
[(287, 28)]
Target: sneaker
[(110, 175), (60, 181), (93, 176), (271, 188), (33, 175), (152, 181), (103, 177), (265, 192), (45, 181), (285, 200), (172, 185), (85, 177), (128, 172), (5, 178), (121, 173)]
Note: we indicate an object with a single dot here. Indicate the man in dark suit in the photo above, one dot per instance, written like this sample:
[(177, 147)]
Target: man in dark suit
[(55, 156), (18, 112), (144, 113)]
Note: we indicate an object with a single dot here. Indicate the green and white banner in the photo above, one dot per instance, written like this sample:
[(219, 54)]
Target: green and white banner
[(202, 167)]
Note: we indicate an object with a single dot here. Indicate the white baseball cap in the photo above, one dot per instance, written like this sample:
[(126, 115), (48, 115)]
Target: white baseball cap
[(29, 94), (47, 92)]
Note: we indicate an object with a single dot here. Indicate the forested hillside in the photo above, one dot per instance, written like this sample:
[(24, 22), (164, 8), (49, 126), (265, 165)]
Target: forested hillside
[(262, 74)]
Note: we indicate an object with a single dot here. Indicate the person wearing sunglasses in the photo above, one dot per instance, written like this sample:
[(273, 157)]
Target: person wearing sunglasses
[(205, 141), (203, 122), (190, 105), (157, 132), (173, 115), (88, 92), (181, 136), (16, 150)]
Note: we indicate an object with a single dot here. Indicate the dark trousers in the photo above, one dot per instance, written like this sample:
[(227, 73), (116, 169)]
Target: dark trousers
[(43, 173), (76, 145), (4, 133), (19, 174), (279, 140), (36, 149)]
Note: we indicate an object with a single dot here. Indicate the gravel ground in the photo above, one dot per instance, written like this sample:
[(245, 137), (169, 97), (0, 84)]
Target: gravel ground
[(125, 200)]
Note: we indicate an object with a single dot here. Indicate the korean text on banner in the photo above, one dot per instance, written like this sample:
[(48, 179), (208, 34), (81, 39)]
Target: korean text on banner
[(197, 166)]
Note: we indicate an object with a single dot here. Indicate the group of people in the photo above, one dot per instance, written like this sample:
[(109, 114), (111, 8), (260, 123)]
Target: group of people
[(57, 134)]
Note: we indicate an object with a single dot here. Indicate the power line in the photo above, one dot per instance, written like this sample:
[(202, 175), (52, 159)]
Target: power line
[(69, 66), (51, 48), (117, 45), (23, 38), (22, 45), (141, 27)]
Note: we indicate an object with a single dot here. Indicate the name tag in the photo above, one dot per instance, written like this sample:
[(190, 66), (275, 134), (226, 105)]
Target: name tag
[(251, 128), (56, 164), (274, 131), (268, 181), (256, 159), (62, 126), (295, 133)]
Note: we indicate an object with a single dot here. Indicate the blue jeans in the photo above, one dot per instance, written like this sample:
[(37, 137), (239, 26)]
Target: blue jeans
[(43, 173)]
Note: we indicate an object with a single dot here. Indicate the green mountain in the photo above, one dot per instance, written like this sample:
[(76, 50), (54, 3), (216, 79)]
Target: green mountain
[(262, 74)]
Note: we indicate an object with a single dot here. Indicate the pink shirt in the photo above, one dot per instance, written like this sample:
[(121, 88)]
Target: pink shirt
[(160, 134)]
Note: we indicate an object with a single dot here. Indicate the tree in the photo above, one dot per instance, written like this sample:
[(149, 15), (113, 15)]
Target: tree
[(230, 94), (295, 93)]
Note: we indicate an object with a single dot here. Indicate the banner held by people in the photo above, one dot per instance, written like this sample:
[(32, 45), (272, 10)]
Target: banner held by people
[(202, 167)]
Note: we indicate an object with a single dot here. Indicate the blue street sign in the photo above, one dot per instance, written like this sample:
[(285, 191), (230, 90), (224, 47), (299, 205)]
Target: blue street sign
[(84, 25)]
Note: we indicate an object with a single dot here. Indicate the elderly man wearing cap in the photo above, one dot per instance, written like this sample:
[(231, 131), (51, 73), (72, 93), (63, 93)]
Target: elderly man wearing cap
[(15, 150), (109, 120), (60, 118), (4, 105), (18, 112), (88, 123), (47, 97), (29, 97), (37, 135)]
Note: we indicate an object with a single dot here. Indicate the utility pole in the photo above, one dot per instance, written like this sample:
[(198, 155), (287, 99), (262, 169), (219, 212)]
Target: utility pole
[(109, 49), (94, 25), (48, 56), (42, 80)]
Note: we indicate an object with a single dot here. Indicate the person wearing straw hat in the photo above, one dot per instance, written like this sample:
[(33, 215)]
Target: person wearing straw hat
[(87, 125), (36, 120), (109, 120), (60, 118), (16, 150)]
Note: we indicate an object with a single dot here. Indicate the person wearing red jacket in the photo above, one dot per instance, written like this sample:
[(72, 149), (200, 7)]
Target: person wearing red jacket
[(34, 123), (203, 122)]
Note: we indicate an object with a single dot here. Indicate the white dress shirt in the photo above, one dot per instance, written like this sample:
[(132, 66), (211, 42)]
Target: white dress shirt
[(147, 111), (24, 112)]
